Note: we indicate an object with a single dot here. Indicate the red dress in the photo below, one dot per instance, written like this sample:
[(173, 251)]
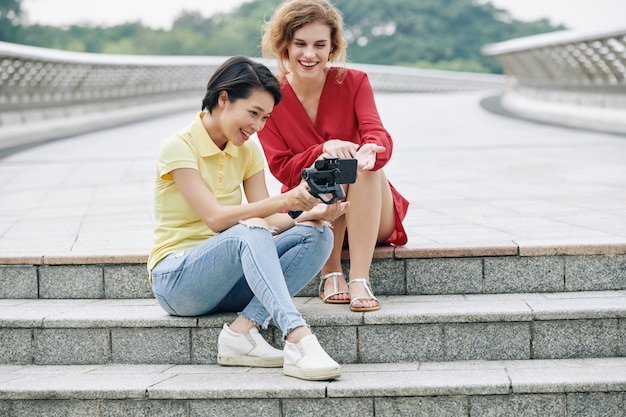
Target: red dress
[(346, 111)]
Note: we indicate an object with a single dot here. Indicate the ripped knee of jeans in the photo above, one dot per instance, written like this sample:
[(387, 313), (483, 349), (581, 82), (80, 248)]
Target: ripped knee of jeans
[(318, 224), (257, 222)]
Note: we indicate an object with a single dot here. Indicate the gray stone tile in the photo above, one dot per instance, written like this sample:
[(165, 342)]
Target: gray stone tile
[(505, 297), (622, 337), (270, 383), (340, 342), (54, 408), (572, 306), (420, 383), (388, 276), (150, 346), (584, 294), (596, 404), (127, 281), (329, 407), (204, 345), (57, 370), (236, 408), (211, 371), (588, 375), (589, 363), (143, 408), (444, 276), (79, 387), (381, 367), (575, 339), (75, 281), (311, 289), (121, 369), (462, 365), (537, 405), (448, 406), (51, 303), (446, 311), (400, 343), (216, 320), (318, 314), (601, 272), (16, 346), (6, 407), (31, 313), (9, 369), (19, 281), (522, 275), (118, 313), (403, 299), (488, 341), (72, 346)]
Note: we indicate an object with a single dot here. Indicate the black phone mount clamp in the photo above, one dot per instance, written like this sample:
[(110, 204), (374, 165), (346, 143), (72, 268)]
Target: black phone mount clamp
[(325, 179)]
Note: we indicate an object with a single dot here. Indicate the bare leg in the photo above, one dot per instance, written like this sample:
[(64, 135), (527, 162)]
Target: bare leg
[(298, 333), (369, 221), (242, 325), (334, 260)]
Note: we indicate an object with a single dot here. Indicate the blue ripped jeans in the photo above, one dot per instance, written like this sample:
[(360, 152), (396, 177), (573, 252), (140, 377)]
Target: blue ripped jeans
[(244, 269)]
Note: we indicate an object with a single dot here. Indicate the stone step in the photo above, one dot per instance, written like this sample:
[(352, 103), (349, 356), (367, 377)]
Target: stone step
[(407, 329), (395, 271), (556, 388)]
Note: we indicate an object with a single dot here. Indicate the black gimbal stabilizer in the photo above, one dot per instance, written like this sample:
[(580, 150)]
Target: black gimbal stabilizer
[(326, 178)]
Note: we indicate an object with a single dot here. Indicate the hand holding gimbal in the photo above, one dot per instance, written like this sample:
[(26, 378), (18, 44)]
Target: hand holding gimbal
[(326, 178)]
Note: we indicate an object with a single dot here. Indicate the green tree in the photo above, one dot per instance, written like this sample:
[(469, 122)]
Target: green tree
[(435, 31), (444, 34), (10, 14)]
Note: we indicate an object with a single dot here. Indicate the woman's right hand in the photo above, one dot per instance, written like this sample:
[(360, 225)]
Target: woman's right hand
[(340, 148), (300, 199)]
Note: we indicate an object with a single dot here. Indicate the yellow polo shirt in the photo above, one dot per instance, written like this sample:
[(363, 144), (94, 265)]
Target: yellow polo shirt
[(177, 226)]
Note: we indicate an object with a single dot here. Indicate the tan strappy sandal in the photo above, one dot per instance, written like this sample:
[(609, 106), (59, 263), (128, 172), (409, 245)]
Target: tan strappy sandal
[(336, 291), (370, 296)]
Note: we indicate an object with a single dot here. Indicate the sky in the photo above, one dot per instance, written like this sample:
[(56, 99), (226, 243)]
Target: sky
[(575, 14)]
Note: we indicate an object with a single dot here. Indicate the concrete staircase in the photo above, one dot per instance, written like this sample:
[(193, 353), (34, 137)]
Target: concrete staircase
[(462, 332)]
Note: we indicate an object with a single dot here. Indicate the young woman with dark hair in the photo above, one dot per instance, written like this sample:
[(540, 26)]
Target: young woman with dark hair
[(214, 254)]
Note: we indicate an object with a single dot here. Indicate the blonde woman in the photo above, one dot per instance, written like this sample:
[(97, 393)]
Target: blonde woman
[(330, 111)]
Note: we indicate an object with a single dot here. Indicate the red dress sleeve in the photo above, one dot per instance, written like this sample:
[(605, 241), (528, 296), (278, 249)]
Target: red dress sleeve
[(371, 129)]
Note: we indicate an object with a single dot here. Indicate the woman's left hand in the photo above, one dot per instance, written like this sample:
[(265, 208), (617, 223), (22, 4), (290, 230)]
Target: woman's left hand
[(327, 212), (366, 155)]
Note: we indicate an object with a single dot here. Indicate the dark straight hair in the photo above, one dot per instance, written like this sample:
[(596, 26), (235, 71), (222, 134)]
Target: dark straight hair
[(239, 76)]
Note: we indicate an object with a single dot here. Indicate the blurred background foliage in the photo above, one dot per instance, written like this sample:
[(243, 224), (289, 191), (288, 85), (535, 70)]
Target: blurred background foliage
[(439, 34)]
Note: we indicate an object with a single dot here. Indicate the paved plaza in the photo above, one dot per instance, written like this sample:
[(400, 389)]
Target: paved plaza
[(472, 177)]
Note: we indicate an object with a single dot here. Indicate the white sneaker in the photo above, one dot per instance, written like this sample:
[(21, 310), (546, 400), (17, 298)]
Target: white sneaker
[(308, 360), (234, 349)]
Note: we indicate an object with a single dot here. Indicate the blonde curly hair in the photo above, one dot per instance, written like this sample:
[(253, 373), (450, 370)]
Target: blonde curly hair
[(290, 16)]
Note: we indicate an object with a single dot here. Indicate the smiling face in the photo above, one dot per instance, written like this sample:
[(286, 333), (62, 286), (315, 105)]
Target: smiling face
[(237, 120), (309, 50)]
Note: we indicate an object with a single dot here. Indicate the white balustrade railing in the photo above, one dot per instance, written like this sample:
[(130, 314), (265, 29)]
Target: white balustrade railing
[(576, 78), (47, 94), (39, 77)]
